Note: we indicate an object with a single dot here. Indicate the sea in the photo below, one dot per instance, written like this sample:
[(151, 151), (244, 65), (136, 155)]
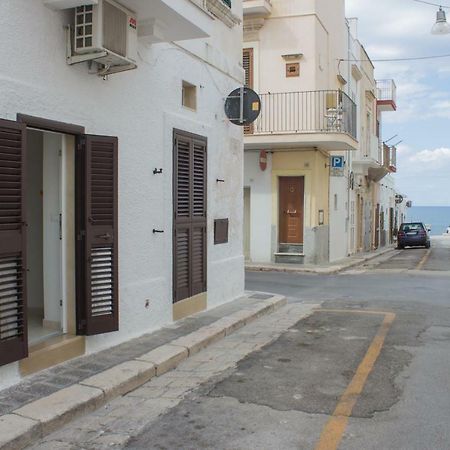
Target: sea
[(436, 216)]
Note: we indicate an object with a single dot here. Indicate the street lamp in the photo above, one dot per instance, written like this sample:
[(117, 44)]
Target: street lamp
[(441, 26)]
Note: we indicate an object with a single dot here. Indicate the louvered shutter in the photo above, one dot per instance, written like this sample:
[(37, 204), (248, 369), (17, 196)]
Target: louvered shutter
[(189, 265), (182, 215), (248, 64), (98, 311), (13, 314), (198, 233)]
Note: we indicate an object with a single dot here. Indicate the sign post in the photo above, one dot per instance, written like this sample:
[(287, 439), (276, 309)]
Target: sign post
[(337, 166)]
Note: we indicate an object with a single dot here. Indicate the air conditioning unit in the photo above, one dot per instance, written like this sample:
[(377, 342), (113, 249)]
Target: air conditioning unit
[(107, 34)]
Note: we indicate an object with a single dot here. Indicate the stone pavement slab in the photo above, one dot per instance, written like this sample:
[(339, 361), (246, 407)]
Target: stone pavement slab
[(58, 408), (71, 372), (121, 379), (54, 410), (16, 431), (165, 357), (113, 425)]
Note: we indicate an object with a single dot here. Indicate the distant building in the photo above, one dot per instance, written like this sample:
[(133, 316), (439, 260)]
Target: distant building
[(317, 196)]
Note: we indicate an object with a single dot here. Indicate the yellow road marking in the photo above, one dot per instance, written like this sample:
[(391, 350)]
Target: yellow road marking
[(424, 260), (334, 429)]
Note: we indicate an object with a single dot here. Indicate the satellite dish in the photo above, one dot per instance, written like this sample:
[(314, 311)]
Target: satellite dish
[(243, 106)]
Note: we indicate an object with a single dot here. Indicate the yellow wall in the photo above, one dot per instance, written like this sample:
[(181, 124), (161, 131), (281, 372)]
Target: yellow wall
[(312, 165)]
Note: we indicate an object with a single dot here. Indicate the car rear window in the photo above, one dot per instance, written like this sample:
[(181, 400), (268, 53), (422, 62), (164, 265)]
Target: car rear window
[(406, 227)]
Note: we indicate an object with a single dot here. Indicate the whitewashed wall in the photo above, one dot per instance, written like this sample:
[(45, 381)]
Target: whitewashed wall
[(260, 184), (141, 107)]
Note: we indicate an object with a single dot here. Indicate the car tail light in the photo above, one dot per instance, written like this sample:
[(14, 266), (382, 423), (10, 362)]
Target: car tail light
[(401, 234), (422, 233)]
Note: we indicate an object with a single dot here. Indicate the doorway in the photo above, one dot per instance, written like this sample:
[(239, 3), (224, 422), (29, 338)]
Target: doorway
[(291, 210), (50, 234)]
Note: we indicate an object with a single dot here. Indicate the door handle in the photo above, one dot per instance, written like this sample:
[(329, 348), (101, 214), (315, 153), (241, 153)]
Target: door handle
[(105, 236), (291, 212)]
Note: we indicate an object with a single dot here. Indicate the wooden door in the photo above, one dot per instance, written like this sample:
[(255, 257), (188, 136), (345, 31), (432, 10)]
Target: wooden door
[(376, 243), (360, 224), (291, 206)]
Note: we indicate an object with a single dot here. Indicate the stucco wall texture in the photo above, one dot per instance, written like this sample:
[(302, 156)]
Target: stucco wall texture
[(141, 108)]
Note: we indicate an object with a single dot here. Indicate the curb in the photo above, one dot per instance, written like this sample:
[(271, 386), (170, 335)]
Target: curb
[(45, 415), (317, 270)]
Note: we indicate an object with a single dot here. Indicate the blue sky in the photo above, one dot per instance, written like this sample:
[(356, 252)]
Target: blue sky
[(399, 29)]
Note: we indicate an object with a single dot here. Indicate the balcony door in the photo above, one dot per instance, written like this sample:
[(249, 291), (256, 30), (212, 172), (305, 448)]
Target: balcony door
[(291, 213)]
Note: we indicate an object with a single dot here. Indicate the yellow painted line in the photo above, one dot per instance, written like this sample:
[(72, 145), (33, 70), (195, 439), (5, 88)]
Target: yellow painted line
[(334, 429), (424, 260)]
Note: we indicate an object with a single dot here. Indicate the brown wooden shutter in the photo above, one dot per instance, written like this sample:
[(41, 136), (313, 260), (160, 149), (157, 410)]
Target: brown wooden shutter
[(198, 236), (98, 302), (189, 253), (248, 64), (13, 298)]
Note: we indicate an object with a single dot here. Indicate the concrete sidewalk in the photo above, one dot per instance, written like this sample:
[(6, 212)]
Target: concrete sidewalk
[(44, 402), (322, 269)]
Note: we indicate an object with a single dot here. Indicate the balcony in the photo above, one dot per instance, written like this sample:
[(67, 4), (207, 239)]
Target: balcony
[(387, 164), (322, 119), (390, 158), (371, 155), (386, 95), (159, 20), (257, 8)]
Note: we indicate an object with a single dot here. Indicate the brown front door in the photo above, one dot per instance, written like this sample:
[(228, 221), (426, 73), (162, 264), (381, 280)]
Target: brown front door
[(291, 209)]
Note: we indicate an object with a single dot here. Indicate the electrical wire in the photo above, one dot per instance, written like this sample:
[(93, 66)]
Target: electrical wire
[(432, 4), (413, 58)]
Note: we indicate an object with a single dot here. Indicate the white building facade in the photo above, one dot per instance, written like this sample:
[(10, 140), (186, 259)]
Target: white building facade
[(120, 193), (315, 157)]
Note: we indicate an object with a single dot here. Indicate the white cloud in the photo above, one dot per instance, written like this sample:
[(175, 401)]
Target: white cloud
[(439, 155)]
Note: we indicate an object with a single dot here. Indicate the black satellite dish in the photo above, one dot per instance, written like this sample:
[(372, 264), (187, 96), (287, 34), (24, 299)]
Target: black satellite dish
[(243, 106)]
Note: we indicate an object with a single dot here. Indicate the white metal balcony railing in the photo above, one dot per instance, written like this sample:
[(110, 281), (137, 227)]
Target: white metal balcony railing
[(306, 112), (386, 91), (390, 158)]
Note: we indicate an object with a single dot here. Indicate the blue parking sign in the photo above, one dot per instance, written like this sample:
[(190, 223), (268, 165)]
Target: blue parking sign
[(337, 162)]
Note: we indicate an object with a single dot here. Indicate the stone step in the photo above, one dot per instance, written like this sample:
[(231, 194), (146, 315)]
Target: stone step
[(290, 248), (289, 258)]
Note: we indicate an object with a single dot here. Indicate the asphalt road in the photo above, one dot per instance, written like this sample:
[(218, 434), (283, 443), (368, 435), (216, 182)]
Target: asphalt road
[(369, 370)]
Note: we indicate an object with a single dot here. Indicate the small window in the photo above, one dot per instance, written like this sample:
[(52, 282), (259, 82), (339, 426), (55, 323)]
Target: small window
[(189, 95), (292, 70)]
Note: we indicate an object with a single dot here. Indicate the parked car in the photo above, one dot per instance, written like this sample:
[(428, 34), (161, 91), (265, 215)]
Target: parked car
[(413, 234)]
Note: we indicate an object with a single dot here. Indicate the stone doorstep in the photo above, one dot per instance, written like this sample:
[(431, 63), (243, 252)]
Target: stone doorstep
[(45, 415)]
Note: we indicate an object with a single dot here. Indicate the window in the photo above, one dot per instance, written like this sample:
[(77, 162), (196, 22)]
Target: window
[(189, 95), (227, 2), (247, 64), (292, 70)]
